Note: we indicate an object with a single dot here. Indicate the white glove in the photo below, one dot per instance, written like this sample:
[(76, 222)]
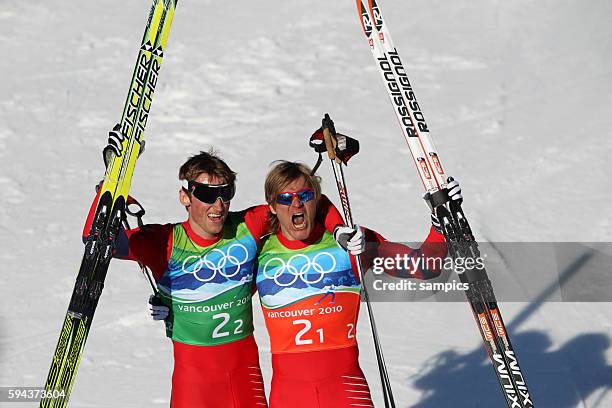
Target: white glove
[(156, 310), (454, 191), (350, 239)]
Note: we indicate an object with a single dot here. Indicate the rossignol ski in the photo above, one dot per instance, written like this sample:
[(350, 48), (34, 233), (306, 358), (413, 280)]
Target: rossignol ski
[(110, 210), (457, 232)]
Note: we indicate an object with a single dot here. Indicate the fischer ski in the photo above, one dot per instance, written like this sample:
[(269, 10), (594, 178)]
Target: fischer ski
[(456, 229), (110, 210)]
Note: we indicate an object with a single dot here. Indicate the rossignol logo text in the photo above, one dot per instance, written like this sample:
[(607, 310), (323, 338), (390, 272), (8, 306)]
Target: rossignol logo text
[(409, 95), (397, 97)]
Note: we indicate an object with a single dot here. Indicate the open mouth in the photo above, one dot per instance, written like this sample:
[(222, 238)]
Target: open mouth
[(298, 221)]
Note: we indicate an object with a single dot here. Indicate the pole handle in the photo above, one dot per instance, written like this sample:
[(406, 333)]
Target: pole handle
[(329, 136)]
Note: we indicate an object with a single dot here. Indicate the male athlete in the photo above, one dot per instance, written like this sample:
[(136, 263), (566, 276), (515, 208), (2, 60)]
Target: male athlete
[(204, 270), (313, 343)]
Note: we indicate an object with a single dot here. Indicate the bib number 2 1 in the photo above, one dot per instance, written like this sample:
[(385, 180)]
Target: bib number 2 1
[(300, 337)]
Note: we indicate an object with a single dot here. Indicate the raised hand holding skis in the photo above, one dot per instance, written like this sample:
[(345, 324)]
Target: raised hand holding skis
[(454, 194), (110, 208), (447, 211), (114, 147)]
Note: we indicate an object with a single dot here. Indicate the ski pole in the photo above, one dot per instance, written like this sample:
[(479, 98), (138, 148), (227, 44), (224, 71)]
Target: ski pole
[(138, 212), (329, 134)]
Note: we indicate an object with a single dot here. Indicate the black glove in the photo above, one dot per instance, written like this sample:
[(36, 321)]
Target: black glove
[(114, 148), (157, 309)]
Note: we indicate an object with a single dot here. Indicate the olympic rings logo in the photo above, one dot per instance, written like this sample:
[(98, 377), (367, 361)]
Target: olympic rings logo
[(298, 266), (214, 266)]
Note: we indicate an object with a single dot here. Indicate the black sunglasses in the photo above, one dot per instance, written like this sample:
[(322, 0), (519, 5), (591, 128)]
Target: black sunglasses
[(209, 193)]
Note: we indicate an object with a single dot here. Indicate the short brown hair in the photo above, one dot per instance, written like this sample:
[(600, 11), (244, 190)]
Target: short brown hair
[(283, 173), (209, 163)]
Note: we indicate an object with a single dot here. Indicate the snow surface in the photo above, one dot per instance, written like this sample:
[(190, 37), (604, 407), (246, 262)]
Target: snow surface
[(518, 98)]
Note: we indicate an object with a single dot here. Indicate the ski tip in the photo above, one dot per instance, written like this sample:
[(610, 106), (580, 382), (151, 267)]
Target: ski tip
[(376, 15), (366, 22)]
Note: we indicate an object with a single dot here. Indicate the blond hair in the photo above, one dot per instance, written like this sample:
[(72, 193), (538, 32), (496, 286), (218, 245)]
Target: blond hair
[(282, 174)]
